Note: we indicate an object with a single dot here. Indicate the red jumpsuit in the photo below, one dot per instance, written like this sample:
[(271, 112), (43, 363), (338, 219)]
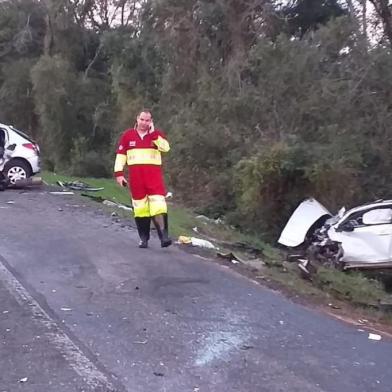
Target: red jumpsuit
[(143, 157)]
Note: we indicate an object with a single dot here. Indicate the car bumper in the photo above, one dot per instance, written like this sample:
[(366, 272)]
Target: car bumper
[(35, 163)]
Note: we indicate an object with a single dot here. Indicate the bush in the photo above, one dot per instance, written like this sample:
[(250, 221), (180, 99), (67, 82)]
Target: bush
[(89, 163)]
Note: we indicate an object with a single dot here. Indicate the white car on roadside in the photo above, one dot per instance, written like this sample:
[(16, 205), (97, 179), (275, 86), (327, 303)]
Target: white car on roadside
[(360, 238), (19, 154)]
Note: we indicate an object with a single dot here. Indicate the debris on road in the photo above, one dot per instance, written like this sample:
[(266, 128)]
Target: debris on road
[(62, 193), (20, 183), (27, 182), (141, 342), (235, 259), (79, 186), (246, 347), (110, 203), (232, 257), (373, 336), (196, 242)]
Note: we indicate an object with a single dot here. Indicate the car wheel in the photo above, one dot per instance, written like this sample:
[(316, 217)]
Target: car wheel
[(17, 170)]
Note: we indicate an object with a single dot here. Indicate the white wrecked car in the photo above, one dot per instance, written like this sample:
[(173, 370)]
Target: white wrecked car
[(358, 238)]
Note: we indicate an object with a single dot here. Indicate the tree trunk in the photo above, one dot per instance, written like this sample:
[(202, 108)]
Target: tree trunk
[(383, 10), (364, 19)]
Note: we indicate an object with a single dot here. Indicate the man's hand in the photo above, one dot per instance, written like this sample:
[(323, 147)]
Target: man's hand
[(121, 181), (152, 128)]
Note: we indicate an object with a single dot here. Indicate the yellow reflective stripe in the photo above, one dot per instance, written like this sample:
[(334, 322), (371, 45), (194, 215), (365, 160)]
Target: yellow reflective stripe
[(120, 162), (141, 208), (149, 206), (144, 156), (157, 205), (162, 144)]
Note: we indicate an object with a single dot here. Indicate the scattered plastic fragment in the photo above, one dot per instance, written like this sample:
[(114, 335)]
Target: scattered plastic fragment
[(62, 193), (196, 242), (373, 336), (79, 186)]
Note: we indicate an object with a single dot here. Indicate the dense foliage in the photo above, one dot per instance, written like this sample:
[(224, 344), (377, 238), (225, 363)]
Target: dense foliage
[(264, 102)]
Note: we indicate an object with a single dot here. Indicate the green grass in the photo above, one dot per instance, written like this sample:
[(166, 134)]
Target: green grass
[(351, 286)]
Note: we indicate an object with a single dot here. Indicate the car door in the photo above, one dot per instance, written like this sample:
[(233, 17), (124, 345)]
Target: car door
[(3, 144), (370, 240)]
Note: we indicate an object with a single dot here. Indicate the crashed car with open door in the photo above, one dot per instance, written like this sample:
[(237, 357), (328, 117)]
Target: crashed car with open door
[(359, 238)]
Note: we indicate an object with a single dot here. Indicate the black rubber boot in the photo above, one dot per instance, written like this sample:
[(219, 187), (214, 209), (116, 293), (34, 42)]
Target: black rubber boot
[(143, 228), (163, 232)]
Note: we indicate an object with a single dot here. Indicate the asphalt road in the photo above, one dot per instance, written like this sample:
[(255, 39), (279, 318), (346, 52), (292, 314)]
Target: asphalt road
[(83, 309)]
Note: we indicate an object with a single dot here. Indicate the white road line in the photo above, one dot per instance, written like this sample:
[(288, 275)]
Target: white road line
[(94, 378)]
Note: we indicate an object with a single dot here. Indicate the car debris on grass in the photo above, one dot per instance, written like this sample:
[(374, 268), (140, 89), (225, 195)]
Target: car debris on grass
[(79, 186), (108, 203), (196, 242), (62, 193)]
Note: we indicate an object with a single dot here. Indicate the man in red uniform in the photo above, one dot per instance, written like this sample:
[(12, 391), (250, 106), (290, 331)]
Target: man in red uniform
[(140, 148)]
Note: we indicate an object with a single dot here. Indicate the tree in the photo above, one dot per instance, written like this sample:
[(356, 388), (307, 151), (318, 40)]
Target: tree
[(303, 16)]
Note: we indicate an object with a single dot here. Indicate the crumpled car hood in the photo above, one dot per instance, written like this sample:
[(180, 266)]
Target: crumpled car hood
[(306, 214)]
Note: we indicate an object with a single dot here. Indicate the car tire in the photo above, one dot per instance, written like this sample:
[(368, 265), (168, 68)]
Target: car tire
[(17, 169)]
